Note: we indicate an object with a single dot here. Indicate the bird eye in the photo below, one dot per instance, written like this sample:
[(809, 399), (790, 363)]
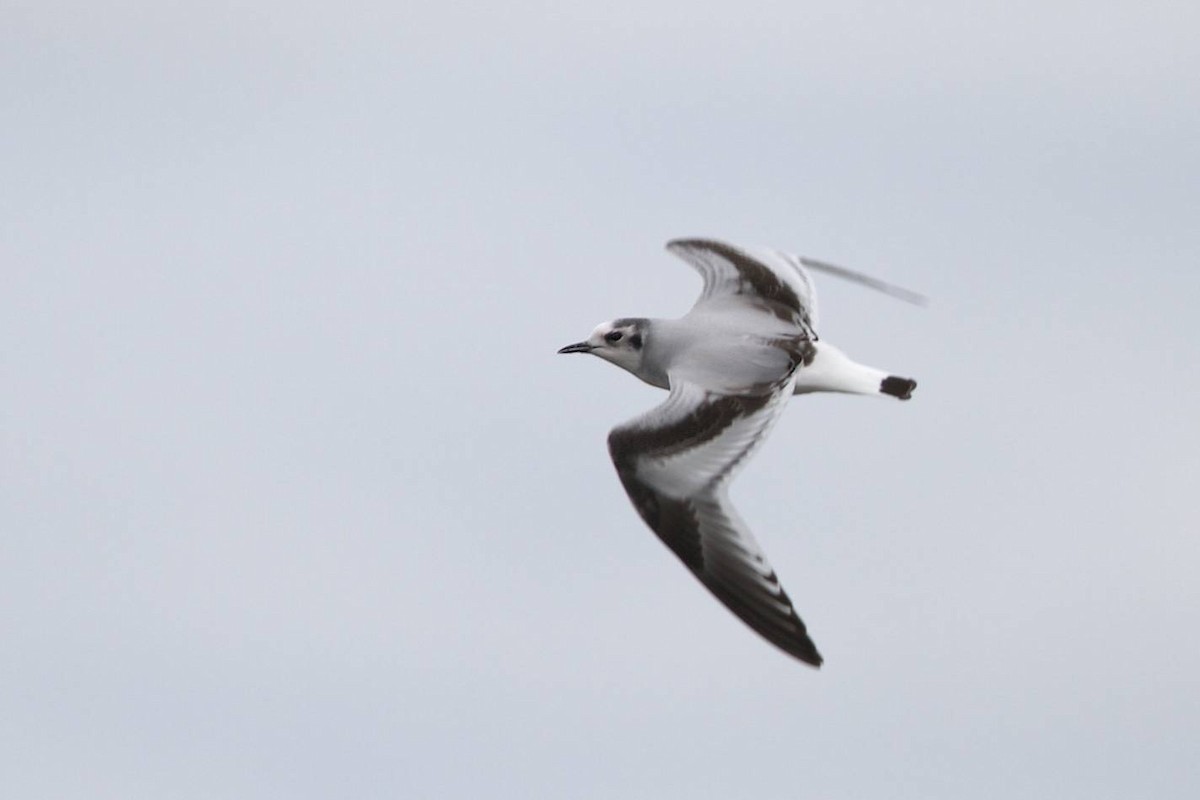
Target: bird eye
[(613, 337)]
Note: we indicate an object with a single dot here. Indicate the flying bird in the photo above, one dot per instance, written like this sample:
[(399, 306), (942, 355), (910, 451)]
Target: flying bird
[(730, 365)]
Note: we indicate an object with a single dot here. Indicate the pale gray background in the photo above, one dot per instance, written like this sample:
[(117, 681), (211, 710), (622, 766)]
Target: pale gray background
[(297, 500)]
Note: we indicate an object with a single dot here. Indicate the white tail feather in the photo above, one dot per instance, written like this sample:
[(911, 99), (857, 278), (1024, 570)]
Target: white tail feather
[(831, 370)]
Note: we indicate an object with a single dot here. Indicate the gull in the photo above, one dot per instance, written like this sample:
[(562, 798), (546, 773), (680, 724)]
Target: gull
[(730, 365)]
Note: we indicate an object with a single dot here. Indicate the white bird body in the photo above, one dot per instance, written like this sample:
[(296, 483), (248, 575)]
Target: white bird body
[(729, 364)]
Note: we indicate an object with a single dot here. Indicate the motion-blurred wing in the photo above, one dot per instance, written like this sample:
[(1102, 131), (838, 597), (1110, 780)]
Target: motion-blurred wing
[(779, 281)]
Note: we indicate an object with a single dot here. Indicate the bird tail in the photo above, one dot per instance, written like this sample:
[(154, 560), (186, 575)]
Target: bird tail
[(831, 370)]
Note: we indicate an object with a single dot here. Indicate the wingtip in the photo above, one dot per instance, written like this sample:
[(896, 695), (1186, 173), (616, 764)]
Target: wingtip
[(890, 289), (684, 242), (807, 653), (702, 242)]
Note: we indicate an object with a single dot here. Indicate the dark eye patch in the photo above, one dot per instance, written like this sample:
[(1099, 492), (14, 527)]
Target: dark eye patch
[(636, 341), (613, 337)]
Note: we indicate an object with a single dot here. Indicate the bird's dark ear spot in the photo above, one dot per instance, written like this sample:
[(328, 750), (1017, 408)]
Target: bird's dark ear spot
[(636, 341)]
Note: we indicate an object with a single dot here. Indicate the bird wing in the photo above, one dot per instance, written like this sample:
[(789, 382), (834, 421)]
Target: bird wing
[(766, 278), (760, 277), (676, 462)]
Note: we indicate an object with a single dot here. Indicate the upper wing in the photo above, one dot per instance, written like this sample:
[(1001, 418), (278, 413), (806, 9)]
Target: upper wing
[(779, 281), (891, 289), (675, 463), (767, 278)]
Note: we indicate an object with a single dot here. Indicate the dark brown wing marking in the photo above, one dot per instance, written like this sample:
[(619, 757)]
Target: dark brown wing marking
[(749, 276), (702, 529)]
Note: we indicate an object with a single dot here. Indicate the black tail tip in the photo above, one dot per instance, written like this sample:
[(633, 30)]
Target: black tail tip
[(898, 387)]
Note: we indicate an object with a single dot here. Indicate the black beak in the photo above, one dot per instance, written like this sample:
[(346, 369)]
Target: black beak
[(578, 347)]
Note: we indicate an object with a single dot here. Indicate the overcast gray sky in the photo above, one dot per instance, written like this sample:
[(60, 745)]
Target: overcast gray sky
[(296, 499)]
